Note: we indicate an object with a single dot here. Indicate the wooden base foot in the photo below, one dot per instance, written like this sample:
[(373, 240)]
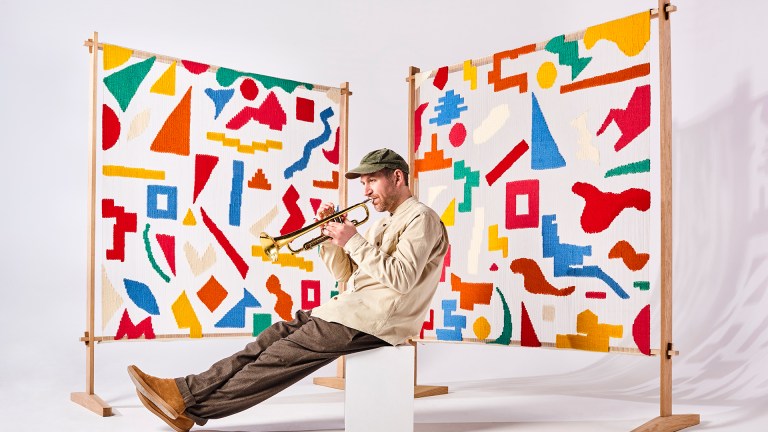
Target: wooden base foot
[(332, 382), (92, 403), (669, 423), (419, 391)]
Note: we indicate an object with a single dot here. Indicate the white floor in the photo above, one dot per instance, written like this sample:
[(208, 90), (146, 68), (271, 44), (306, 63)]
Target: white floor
[(527, 402)]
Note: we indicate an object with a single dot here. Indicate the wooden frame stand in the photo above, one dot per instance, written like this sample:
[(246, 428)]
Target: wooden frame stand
[(88, 398), (666, 421)]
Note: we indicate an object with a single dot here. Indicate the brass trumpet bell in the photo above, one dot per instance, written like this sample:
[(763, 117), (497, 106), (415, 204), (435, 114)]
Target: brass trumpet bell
[(272, 245)]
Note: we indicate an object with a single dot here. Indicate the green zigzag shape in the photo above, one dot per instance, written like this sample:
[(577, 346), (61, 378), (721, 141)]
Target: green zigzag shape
[(124, 83), (568, 54), (226, 77), (461, 171)]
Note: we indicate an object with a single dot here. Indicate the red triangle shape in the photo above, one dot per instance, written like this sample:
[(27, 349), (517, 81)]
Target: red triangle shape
[(528, 336), (168, 245), (204, 165), (174, 135)]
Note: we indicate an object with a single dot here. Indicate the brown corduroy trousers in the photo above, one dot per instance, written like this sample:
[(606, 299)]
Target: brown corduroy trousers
[(280, 356)]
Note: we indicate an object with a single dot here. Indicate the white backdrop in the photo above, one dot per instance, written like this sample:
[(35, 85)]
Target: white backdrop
[(720, 110)]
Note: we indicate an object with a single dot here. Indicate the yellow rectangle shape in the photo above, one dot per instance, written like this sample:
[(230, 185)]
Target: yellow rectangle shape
[(122, 171)]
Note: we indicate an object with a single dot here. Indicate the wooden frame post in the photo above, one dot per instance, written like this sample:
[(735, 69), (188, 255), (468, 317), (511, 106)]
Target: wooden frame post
[(337, 381), (666, 420), (413, 101), (89, 399)]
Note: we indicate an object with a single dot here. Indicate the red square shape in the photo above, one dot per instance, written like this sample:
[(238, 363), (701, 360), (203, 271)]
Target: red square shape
[(522, 187), (305, 109)]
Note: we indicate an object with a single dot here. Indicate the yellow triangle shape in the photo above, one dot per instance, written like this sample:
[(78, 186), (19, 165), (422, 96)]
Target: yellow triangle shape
[(166, 84), (449, 215), (189, 219), (115, 55)]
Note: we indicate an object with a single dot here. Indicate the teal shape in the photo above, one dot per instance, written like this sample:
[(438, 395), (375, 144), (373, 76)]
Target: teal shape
[(226, 77), (124, 83)]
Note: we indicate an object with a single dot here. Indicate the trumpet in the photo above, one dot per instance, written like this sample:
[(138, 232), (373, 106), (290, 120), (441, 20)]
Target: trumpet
[(272, 245)]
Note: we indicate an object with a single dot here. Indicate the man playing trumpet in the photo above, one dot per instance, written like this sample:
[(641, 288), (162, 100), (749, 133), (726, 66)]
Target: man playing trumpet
[(391, 273)]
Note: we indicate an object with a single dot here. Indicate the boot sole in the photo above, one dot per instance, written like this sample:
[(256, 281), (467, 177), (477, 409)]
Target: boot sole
[(146, 390), (154, 410)]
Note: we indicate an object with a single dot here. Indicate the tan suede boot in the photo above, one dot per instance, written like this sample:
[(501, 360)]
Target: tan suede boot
[(179, 424), (162, 392)]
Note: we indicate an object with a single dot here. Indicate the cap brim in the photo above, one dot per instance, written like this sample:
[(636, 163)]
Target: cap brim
[(362, 169)]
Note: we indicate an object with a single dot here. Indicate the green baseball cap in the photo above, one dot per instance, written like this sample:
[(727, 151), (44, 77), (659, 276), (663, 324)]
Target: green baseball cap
[(377, 160)]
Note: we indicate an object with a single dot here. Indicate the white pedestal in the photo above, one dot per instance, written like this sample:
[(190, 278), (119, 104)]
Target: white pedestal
[(378, 395)]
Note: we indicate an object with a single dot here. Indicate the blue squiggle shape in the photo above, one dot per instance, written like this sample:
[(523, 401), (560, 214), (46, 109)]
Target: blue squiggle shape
[(569, 259), (314, 143)]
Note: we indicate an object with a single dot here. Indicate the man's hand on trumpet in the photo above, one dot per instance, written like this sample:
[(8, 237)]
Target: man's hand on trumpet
[(339, 232)]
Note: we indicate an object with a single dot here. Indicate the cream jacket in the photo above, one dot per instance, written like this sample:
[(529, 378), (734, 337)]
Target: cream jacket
[(392, 273)]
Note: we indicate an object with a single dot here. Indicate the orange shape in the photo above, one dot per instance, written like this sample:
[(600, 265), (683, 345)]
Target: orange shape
[(471, 293), (534, 280), (328, 184), (433, 160), (259, 181), (633, 260), (174, 135), (284, 302), (609, 78), (212, 294), (519, 80)]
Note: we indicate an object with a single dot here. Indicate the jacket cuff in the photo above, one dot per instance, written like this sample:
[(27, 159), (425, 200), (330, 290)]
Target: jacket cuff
[(354, 243)]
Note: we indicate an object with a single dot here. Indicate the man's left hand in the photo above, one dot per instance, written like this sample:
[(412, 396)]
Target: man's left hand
[(340, 233)]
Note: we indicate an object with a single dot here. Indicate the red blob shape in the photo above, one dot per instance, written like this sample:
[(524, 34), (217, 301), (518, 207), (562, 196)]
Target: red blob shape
[(457, 135), (441, 77), (641, 330), (601, 208), (194, 67), (417, 124), (110, 127), (249, 89), (494, 267)]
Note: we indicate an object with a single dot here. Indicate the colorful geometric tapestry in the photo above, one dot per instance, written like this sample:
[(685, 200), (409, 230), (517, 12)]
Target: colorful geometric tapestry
[(193, 162), (539, 163)]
